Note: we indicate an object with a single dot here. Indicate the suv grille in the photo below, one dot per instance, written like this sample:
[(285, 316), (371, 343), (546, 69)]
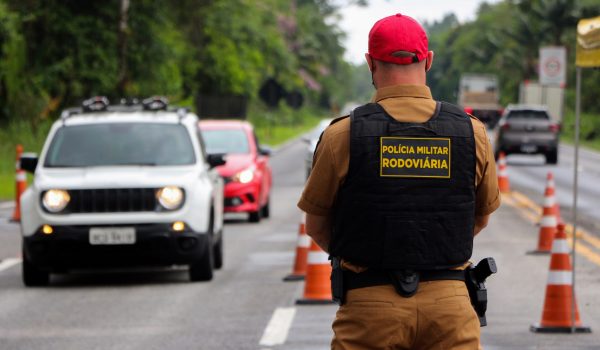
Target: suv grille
[(112, 200)]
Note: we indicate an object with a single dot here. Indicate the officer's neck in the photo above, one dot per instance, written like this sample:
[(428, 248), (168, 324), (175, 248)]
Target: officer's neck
[(385, 78)]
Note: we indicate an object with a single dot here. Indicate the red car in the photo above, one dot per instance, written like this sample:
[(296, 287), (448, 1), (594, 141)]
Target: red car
[(247, 173)]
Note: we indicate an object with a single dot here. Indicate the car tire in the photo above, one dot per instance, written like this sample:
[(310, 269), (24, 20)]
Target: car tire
[(32, 276), (254, 216), (202, 269), (218, 252), (266, 209), (552, 157)]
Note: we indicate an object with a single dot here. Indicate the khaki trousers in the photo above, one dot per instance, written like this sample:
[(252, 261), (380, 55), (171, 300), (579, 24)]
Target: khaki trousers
[(439, 316)]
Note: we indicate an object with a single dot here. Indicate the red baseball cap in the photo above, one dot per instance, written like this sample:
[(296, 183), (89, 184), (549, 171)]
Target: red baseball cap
[(398, 39)]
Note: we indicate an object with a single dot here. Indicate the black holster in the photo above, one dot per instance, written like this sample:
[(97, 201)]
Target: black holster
[(338, 292), (475, 277)]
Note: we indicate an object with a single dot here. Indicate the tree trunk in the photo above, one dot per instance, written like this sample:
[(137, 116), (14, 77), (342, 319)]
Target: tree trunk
[(123, 78)]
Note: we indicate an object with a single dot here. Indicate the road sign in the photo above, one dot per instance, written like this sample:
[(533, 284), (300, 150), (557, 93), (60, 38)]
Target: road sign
[(271, 92), (553, 65), (588, 43), (587, 56)]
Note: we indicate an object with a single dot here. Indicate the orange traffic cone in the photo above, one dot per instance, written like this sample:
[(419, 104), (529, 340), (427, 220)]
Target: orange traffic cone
[(550, 196), (547, 228), (21, 181), (302, 246), (317, 285), (503, 183), (558, 305)]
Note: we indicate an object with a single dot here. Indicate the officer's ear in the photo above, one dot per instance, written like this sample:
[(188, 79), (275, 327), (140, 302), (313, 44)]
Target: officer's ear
[(370, 62), (428, 61)]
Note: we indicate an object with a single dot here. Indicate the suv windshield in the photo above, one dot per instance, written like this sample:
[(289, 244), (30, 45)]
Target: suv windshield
[(527, 115), (226, 141), (120, 144)]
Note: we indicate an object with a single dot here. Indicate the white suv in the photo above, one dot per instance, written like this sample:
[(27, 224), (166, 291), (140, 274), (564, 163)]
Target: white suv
[(122, 186)]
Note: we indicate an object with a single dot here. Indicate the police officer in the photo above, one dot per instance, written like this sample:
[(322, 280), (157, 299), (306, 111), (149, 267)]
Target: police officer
[(398, 191)]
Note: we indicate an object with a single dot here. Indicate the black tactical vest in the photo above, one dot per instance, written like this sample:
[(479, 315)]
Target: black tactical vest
[(408, 201)]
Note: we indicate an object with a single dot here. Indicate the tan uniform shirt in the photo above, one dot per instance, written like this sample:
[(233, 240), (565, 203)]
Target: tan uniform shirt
[(406, 103)]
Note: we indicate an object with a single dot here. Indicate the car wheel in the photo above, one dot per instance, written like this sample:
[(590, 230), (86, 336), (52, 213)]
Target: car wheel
[(254, 216), (266, 209), (202, 269), (32, 276), (552, 157), (218, 252)]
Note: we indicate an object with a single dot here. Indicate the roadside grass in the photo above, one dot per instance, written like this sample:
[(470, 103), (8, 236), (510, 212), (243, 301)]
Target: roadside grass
[(31, 137), (589, 135), (273, 128)]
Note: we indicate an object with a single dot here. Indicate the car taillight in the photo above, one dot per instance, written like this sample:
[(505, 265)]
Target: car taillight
[(505, 126), (554, 127), (469, 110)]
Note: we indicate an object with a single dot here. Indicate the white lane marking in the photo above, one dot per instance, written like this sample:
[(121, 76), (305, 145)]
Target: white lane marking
[(277, 330), (8, 263), (7, 205)]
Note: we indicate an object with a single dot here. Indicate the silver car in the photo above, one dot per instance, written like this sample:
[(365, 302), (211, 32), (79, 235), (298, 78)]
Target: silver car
[(312, 139), (527, 130)]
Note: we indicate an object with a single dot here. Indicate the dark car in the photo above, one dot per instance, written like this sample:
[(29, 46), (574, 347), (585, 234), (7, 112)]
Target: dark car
[(527, 130)]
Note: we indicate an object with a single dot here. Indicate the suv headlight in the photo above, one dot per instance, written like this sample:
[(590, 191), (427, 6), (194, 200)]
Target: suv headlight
[(244, 176), (56, 200), (170, 197)]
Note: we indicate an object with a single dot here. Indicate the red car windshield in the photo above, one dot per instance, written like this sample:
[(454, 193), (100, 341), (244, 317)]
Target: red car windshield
[(226, 141)]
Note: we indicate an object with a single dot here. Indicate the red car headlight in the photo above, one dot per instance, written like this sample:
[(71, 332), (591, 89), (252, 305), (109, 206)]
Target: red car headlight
[(245, 176)]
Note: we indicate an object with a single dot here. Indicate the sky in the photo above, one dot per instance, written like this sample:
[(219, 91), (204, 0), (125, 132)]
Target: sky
[(357, 21)]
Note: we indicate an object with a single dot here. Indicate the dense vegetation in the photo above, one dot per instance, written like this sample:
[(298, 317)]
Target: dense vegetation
[(54, 53)]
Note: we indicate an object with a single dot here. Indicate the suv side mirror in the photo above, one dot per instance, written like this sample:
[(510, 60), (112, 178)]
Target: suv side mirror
[(264, 151), (28, 162), (216, 159)]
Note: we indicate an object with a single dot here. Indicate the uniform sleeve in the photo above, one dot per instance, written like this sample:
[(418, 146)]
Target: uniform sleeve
[(487, 198), (321, 187)]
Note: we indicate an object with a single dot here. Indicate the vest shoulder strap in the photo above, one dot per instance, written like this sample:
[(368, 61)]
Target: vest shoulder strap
[(367, 109), (452, 109)]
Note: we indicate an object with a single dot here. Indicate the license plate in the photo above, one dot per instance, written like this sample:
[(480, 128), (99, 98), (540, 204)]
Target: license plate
[(112, 235), (528, 148)]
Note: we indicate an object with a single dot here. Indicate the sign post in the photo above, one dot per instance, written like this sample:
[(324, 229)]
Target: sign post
[(587, 56), (553, 76)]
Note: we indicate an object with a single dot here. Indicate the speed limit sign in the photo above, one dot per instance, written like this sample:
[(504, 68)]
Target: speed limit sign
[(553, 65)]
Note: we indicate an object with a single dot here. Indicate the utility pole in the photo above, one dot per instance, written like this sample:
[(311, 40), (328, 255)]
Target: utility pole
[(123, 34)]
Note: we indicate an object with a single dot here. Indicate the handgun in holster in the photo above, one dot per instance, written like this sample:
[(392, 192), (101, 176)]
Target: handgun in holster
[(475, 277), (337, 281)]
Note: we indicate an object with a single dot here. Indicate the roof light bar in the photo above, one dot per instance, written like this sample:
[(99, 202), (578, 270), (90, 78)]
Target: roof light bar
[(155, 103), (95, 104)]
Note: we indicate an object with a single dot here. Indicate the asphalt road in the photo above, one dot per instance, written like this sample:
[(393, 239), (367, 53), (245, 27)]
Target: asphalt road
[(162, 310), (527, 173)]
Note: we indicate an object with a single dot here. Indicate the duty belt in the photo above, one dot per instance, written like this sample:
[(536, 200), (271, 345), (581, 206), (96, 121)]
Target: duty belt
[(405, 281)]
